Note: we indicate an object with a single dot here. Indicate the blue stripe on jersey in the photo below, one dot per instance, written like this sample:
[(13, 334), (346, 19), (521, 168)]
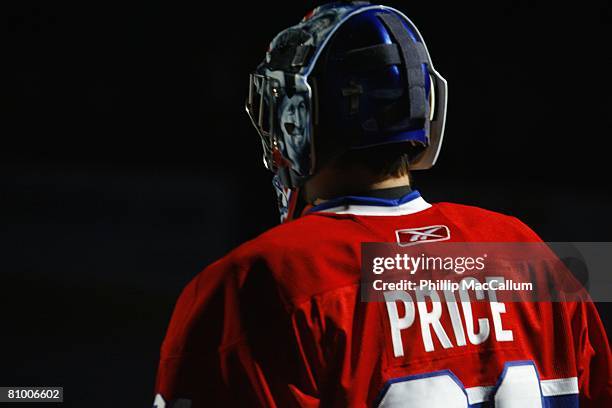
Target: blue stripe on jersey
[(562, 401), (364, 200)]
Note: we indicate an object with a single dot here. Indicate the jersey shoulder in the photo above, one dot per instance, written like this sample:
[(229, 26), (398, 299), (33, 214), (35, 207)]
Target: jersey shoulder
[(302, 236), (255, 273), (300, 258), (488, 224)]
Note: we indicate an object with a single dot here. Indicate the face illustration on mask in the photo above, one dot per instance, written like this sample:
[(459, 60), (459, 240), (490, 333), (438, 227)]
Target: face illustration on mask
[(294, 125)]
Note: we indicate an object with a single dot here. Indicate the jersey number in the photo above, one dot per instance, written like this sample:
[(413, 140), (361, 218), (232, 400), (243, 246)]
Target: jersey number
[(518, 387)]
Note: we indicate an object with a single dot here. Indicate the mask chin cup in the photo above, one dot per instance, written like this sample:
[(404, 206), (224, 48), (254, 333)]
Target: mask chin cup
[(288, 200)]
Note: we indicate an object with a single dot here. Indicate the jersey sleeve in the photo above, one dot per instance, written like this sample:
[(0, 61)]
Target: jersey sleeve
[(593, 359), (189, 367), (230, 331), (592, 347)]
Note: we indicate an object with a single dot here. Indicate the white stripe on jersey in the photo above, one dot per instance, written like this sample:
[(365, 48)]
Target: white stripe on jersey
[(560, 386), (411, 207)]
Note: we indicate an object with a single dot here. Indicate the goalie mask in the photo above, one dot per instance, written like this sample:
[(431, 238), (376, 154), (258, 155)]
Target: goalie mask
[(356, 72)]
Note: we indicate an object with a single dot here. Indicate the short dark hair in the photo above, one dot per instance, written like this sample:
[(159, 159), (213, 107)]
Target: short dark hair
[(382, 161)]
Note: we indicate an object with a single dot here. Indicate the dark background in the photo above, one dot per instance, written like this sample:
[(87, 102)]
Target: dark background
[(128, 163)]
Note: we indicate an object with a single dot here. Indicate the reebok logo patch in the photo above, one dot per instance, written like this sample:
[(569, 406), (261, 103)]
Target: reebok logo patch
[(421, 235)]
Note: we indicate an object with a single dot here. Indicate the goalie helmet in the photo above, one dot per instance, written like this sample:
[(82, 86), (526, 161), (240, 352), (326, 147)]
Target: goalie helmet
[(350, 75)]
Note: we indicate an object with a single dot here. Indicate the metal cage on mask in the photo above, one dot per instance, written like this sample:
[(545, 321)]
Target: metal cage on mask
[(282, 100)]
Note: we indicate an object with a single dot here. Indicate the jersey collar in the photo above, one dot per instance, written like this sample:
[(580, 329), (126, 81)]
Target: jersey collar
[(363, 205)]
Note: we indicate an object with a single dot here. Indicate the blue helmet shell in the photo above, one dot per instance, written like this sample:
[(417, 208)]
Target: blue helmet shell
[(378, 87)]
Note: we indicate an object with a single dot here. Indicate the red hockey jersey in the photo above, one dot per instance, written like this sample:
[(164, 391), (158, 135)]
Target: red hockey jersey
[(279, 322)]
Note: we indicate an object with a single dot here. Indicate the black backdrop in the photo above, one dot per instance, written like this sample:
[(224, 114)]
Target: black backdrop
[(128, 163)]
